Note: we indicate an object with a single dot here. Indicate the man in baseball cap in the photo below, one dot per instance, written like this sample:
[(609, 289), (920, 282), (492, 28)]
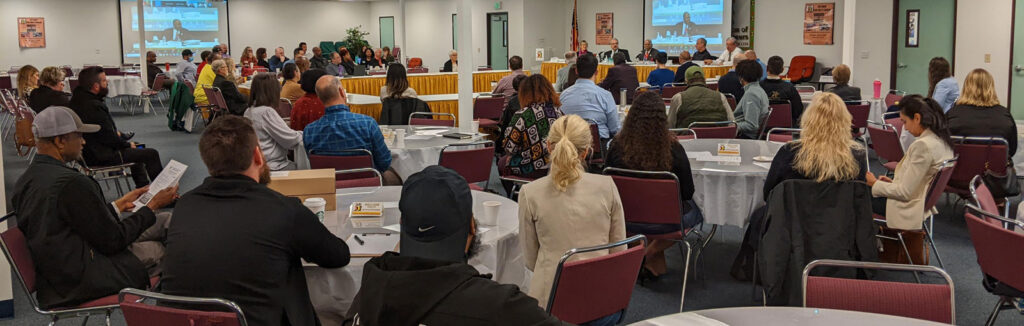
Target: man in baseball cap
[(82, 249), (702, 103), (430, 282)]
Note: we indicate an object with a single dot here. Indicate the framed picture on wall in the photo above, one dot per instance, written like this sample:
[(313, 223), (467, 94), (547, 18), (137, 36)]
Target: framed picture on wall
[(913, 26)]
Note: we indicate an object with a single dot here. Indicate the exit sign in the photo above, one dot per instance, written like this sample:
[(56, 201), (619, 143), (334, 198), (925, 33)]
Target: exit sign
[(497, 5)]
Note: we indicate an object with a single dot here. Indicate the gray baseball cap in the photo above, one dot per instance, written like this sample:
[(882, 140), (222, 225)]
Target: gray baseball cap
[(59, 120)]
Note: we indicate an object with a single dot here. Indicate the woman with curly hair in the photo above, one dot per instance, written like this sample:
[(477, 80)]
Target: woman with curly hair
[(525, 139), (645, 144)]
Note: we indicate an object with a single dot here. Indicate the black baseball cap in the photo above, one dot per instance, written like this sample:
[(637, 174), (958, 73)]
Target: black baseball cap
[(437, 210), (186, 52)]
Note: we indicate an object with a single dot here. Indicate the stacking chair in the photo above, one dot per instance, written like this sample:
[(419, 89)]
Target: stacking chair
[(472, 164), (15, 248), (893, 119), (671, 89), (781, 135), (284, 109), (138, 313), (345, 160), (217, 105), (596, 158), (684, 133), (111, 175), (860, 113), (779, 116), (934, 302), (893, 97), (712, 86), (935, 191), (585, 290), (148, 95), (358, 181), (487, 110), (652, 197), (1000, 255), (732, 101), (983, 198), (977, 155), (886, 141), (714, 130), (429, 119)]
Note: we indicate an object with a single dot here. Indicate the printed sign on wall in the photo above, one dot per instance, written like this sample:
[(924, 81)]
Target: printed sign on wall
[(605, 28), (819, 19), (31, 32)]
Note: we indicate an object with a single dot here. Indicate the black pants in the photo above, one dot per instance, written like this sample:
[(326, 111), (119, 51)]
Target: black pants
[(878, 205), (147, 163)]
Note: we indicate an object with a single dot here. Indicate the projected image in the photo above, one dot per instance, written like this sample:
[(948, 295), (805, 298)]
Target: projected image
[(172, 26), (678, 24)]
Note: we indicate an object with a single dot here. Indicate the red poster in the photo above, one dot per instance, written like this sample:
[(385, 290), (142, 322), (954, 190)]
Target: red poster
[(605, 28), (819, 20), (31, 32)]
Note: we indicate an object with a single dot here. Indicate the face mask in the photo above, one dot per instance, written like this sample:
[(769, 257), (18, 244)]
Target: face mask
[(189, 59)]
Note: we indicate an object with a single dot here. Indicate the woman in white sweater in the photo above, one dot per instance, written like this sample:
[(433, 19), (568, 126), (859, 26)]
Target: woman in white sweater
[(276, 138)]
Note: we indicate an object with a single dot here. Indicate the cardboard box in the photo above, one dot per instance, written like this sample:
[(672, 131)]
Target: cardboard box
[(304, 184)]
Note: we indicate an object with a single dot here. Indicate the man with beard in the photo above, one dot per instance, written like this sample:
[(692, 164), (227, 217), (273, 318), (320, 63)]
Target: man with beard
[(238, 240), (81, 248), (107, 146)]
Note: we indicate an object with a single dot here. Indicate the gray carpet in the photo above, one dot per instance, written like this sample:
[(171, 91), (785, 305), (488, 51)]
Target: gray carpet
[(712, 288)]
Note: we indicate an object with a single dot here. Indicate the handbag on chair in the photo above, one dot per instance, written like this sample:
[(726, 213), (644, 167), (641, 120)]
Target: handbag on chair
[(1001, 185), (23, 137), (892, 251)]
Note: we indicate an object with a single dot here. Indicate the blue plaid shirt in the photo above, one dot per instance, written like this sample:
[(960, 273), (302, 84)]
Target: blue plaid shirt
[(340, 129)]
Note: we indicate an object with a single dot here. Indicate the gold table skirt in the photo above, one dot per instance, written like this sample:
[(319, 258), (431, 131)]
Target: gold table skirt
[(426, 84), (550, 71)]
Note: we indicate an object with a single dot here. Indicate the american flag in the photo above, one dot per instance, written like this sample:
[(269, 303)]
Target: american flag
[(575, 29)]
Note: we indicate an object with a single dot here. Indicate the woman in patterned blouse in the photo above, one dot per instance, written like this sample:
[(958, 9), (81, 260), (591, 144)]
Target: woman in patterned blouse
[(525, 141)]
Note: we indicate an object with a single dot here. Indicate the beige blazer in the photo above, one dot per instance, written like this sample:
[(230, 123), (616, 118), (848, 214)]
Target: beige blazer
[(588, 213), (906, 193)]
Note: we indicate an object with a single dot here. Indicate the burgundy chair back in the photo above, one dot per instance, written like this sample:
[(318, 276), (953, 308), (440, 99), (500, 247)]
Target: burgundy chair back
[(860, 113), (976, 156), (431, 122), (217, 312), (68, 72), (158, 82), (472, 164), (112, 71), (723, 130), (712, 86), (345, 160), (648, 197), (669, 91), (684, 133), (780, 117), (585, 290), (5, 82), (595, 137), (886, 143), (932, 302), (984, 199), (216, 98), (72, 83), (284, 108), (1000, 251), (938, 186), (488, 108), (16, 248), (892, 98), (732, 101)]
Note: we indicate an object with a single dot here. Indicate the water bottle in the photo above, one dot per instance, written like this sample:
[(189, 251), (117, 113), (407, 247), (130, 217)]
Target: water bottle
[(878, 88), (622, 97)]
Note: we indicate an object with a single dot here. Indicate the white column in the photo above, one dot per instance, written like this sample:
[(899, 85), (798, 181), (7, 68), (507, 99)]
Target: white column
[(466, 66), (143, 71), (849, 18), (401, 27)]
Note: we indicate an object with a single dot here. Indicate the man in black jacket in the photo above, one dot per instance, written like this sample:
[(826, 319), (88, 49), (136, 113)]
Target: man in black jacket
[(107, 147), (430, 282), (781, 91), (238, 240), (50, 91), (730, 82), (621, 76), (81, 248), (610, 54)]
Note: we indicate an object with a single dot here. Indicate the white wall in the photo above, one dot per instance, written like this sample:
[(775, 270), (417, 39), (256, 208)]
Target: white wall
[(778, 30), (872, 45), (627, 22), (983, 27), (77, 32), (548, 29), (273, 23)]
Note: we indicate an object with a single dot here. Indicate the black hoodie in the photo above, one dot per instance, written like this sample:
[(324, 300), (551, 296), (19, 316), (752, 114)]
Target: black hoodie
[(412, 291)]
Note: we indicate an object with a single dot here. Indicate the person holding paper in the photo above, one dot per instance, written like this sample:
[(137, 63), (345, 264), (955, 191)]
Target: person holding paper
[(81, 248), (236, 239), (438, 236)]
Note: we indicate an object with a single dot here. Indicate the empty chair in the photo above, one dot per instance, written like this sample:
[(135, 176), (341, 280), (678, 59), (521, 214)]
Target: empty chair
[(780, 117), (474, 164), (1000, 255), (801, 69), (715, 130), (983, 198), (860, 113), (886, 142), (893, 97), (428, 119), (487, 110), (589, 289), (934, 302), (217, 105), (138, 313)]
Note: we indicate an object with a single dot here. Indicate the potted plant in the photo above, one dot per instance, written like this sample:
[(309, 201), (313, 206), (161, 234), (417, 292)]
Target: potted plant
[(355, 41)]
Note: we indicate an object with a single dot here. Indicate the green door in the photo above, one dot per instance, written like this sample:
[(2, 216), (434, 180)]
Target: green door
[(1017, 78), (936, 21), (497, 40), (387, 32)]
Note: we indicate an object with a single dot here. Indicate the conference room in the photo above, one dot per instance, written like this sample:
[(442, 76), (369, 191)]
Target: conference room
[(512, 162)]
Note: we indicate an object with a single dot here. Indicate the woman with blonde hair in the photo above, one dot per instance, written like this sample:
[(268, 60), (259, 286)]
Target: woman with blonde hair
[(825, 151), (232, 76), (568, 208), (28, 79), (50, 91), (978, 112), (248, 59)]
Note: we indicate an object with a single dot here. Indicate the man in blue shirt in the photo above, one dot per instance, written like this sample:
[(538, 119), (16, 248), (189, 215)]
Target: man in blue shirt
[(340, 129), (277, 61), (661, 76), (751, 55), (589, 101)]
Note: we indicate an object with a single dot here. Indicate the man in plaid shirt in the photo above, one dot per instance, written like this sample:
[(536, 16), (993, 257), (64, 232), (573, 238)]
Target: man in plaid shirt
[(340, 129)]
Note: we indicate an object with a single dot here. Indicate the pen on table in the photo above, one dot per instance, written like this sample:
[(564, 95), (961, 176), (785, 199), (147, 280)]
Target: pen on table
[(358, 240)]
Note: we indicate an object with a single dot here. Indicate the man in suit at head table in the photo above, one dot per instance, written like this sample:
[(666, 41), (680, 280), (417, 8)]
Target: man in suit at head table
[(610, 54)]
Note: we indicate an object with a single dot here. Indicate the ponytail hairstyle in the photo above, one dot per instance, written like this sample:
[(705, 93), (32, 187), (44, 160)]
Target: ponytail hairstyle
[(932, 117), (569, 136)]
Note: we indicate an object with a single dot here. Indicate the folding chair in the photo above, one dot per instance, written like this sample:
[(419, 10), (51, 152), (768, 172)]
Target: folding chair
[(15, 248), (652, 197), (284, 109), (886, 142), (715, 130), (113, 174), (472, 164), (935, 191), (430, 121), (782, 116), (345, 160), (147, 95), (684, 133), (781, 135), (1000, 255), (138, 313), (934, 302), (589, 289), (487, 110)]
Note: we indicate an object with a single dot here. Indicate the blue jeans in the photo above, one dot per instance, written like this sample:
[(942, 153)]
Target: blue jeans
[(609, 320)]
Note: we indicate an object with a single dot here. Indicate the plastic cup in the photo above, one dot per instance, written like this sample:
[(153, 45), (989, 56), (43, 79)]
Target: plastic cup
[(491, 209)]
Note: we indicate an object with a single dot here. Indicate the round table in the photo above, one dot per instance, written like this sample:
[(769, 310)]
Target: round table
[(125, 85), (741, 316), (332, 290), (728, 192)]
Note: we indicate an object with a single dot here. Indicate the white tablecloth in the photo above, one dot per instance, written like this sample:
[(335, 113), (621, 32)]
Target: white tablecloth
[(124, 85), (332, 290), (756, 316), (728, 192)]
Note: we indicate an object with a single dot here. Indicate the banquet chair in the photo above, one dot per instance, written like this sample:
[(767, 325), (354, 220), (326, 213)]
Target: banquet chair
[(671, 89), (147, 95), (978, 155), (801, 69), (344, 160), (935, 191), (781, 135), (684, 133), (68, 72), (487, 110), (6, 83), (781, 117), (893, 119), (934, 302), (712, 86), (429, 119), (1000, 255), (802, 89), (652, 197), (358, 182), (15, 247), (732, 101), (715, 130), (893, 97), (886, 142), (596, 158), (589, 289), (473, 164), (138, 313), (284, 109), (111, 175), (983, 198), (217, 104), (860, 113), (517, 182)]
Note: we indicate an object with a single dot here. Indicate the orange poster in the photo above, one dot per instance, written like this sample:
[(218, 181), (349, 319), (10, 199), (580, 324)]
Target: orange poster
[(31, 32), (605, 28), (819, 19)]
